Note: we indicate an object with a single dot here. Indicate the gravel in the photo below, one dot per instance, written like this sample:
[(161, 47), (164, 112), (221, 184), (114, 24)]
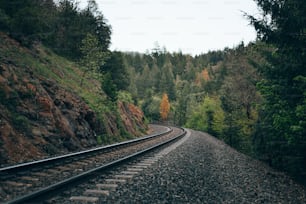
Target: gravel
[(25, 182), (205, 170)]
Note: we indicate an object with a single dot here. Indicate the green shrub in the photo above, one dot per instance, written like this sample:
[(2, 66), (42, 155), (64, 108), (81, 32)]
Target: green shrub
[(21, 123)]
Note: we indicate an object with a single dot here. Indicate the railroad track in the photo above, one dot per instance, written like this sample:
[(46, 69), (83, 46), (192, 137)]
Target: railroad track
[(33, 181)]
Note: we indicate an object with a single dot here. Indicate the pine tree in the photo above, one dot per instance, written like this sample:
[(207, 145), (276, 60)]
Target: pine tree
[(118, 72), (281, 133), (167, 84)]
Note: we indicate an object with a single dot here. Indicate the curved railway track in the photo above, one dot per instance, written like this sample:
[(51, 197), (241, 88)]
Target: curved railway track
[(32, 181)]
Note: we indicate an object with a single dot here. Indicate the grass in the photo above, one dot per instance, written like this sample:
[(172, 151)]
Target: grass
[(41, 62), (45, 63), (69, 76)]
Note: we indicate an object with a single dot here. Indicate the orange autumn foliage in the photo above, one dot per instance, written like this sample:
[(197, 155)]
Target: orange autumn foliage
[(205, 75), (164, 107)]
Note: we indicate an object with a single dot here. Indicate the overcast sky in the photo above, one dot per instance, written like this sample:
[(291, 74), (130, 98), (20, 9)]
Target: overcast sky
[(192, 26)]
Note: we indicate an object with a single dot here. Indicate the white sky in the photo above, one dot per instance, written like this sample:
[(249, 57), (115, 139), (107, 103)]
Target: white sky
[(193, 26)]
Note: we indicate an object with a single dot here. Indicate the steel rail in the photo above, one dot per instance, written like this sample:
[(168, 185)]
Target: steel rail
[(27, 165), (39, 195)]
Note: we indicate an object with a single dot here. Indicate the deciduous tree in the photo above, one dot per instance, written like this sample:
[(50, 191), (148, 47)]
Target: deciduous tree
[(92, 55), (208, 117), (164, 107)]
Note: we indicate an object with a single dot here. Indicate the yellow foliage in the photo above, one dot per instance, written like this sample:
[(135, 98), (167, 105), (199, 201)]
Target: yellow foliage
[(164, 107)]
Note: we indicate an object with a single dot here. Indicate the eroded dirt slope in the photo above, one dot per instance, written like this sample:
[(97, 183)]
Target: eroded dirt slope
[(40, 117)]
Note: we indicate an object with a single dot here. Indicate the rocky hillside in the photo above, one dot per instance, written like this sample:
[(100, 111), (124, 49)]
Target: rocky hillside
[(44, 111)]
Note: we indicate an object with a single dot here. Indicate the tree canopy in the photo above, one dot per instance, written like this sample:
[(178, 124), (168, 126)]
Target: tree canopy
[(281, 133), (251, 96), (61, 26)]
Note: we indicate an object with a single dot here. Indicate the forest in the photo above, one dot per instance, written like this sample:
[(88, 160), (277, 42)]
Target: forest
[(253, 97)]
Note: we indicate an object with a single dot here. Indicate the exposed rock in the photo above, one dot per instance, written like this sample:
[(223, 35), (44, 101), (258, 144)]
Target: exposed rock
[(132, 117), (40, 118), (31, 117)]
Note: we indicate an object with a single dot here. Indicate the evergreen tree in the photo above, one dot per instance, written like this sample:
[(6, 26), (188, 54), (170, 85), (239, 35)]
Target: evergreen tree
[(151, 105), (166, 84), (189, 72), (183, 90), (28, 20), (155, 74), (144, 81), (132, 88), (73, 25), (118, 72), (281, 130), (109, 87)]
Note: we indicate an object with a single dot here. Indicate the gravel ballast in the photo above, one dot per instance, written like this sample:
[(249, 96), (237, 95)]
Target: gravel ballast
[(205, 170)]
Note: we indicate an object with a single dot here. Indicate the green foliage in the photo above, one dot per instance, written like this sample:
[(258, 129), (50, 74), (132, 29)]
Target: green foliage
[(92, 55), (238, 131), (280, 136), (166, 84), (271, 123), (109, 87), (208, 117), (21, 123), (144, 81), (182, 91), (239, 96), (117, 71), (28, 21), (125, 96), (78, 34), (99, 139), (73, 25), (150, 107), (4, 20), (231, 78), (61, 26)]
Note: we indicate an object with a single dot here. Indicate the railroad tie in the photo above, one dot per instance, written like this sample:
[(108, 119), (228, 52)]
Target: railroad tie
[(28, 178), (135, 169), (82, 163), (115, 180), (96, 192), (129, 172), (84, 198), (137, 166), (143, 164), (151, 158), (120, 176), (148, 161), (54, 171), (78, 170), (63, 168), (41, 174), (18, 184), (107, 186)]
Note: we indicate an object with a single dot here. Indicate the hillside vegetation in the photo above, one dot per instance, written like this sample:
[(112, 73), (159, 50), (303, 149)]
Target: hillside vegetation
[(53, 100), (250, 96), (213, 92), (44, 110)]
